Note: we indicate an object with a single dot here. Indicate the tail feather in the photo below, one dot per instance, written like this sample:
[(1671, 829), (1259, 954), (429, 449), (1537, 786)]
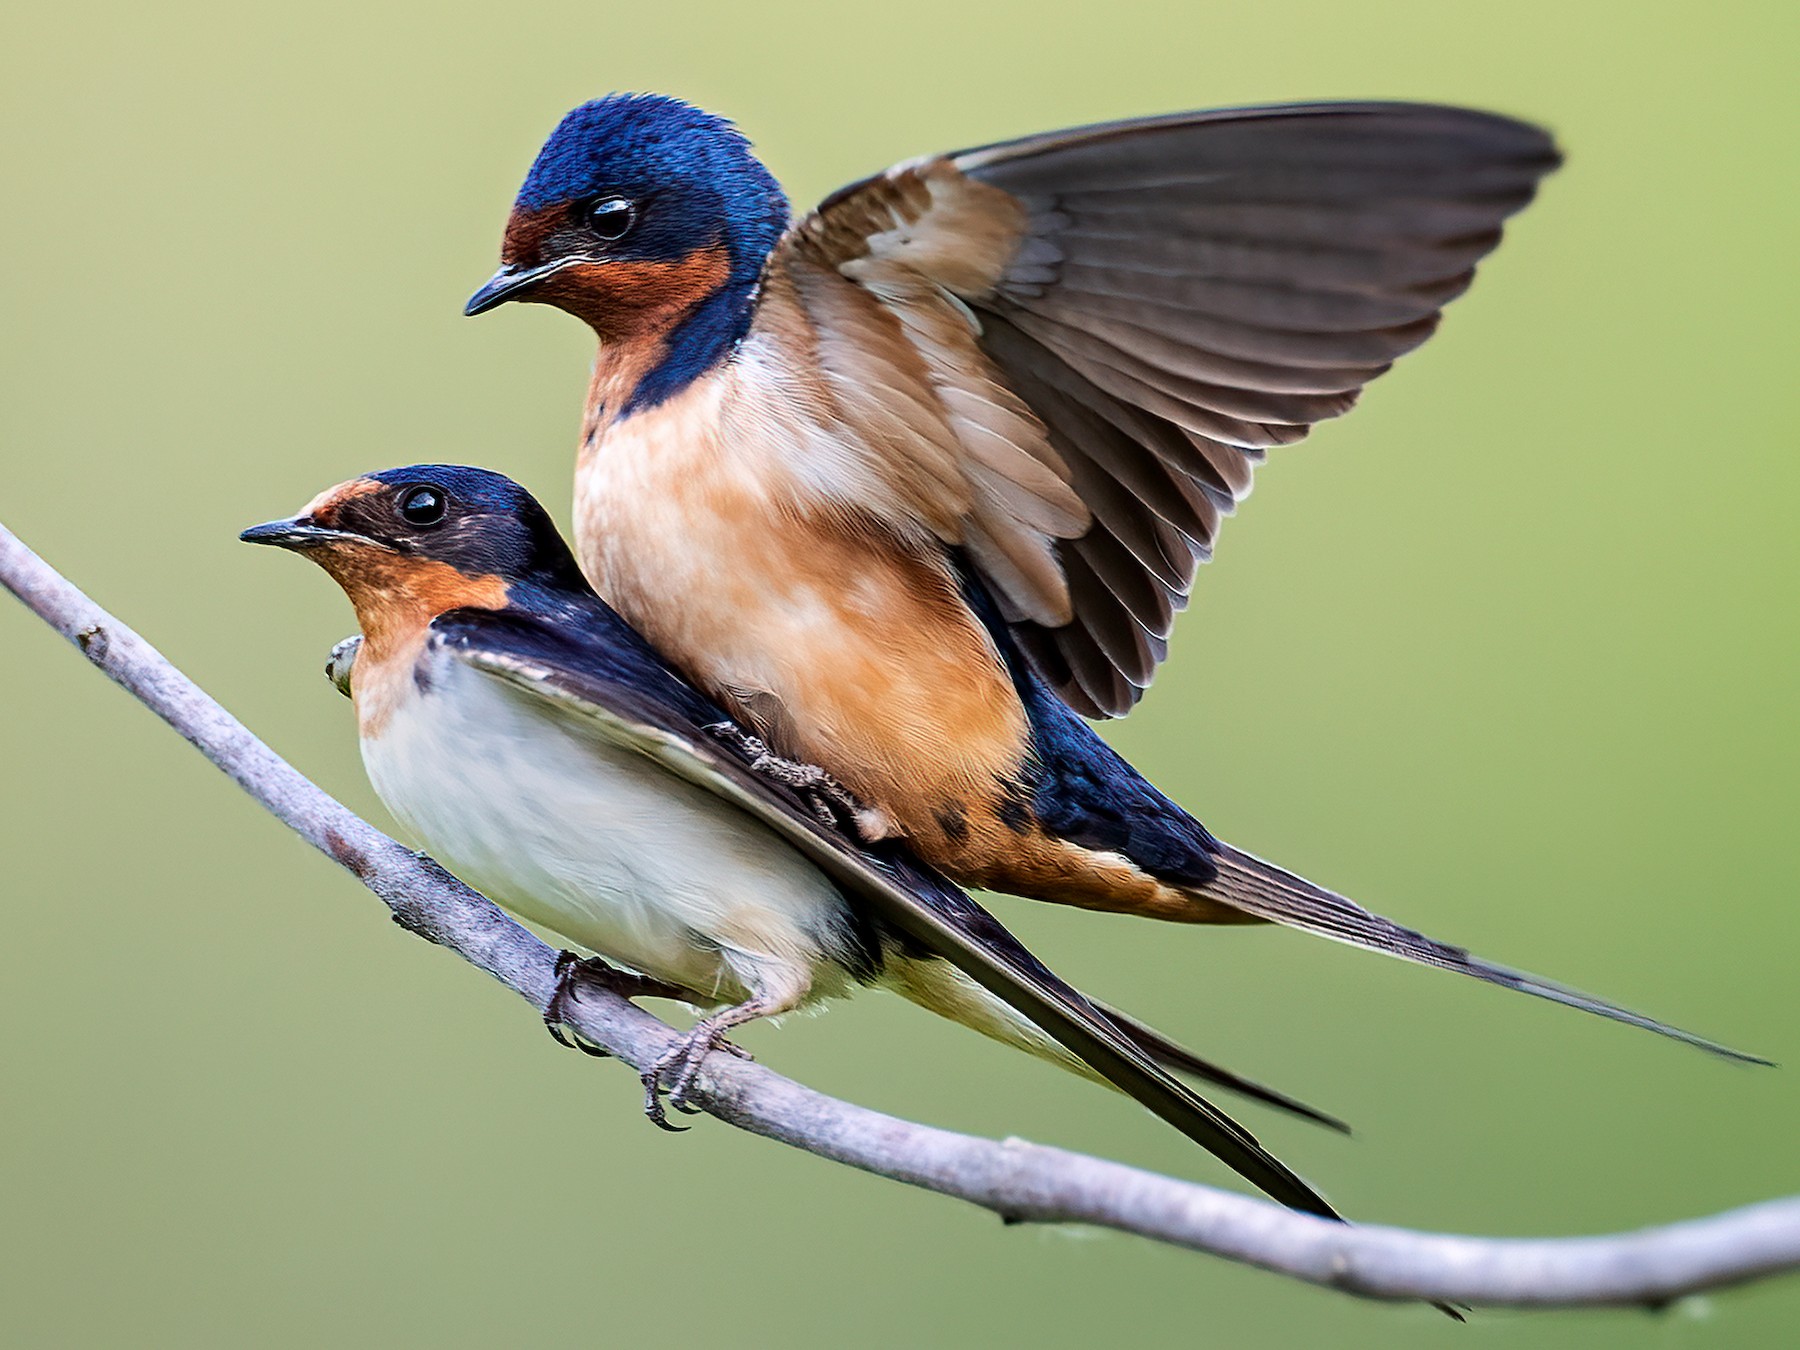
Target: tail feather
[(1179, 1059), (938, 986), (1269, 892)]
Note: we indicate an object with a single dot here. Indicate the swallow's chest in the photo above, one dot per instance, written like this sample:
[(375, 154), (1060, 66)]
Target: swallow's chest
[(582, 836), (687, 538), (849, 649), (693, 546)]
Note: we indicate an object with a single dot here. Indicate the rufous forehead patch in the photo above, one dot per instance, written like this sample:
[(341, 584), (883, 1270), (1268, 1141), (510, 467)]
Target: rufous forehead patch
[(523, 243), (322, 509)]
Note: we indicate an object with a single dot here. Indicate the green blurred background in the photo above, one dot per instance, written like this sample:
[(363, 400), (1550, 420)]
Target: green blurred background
[(1510, 654)]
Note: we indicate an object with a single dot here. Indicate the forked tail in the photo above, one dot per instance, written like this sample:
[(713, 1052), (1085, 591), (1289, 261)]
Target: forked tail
[(1270, 892)]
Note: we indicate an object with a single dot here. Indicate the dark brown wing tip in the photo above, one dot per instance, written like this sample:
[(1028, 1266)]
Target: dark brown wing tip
[(1525, 141)]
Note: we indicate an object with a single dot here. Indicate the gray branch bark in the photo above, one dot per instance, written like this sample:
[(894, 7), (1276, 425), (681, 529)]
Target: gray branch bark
[(1017, 1180)]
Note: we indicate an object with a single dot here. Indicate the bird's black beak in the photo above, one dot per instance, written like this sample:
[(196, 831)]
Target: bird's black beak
[(507, 283), (294, 532)]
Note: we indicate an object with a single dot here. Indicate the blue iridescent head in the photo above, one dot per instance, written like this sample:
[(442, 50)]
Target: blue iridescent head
[(480, 523), (651, 221)]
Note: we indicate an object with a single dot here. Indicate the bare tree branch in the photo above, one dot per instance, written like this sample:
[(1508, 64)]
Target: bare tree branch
[(1017, 1180)]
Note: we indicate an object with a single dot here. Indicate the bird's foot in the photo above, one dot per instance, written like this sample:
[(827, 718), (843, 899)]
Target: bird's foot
[(834, 804), (571, 970), (677, 1069), (342, 661)]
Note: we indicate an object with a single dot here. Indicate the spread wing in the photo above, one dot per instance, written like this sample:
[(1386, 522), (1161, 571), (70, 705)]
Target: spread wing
[(599, 671), (1066, 354)]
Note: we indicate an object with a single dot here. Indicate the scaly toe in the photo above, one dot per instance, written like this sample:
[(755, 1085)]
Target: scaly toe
[(681, 1089), (653, 1106), (568, 969), (554, 1010), (693, 1057)]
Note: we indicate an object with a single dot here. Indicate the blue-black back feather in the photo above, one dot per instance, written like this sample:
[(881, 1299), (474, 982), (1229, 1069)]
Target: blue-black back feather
[(1080, 788)]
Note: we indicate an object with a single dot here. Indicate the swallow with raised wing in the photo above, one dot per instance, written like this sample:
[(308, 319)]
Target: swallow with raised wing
[(914, 483), (546, 754)]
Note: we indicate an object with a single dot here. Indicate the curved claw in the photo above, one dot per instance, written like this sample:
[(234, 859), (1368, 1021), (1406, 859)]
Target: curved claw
[(685, 1057), (653, 1107), (688, 1053), (681, 1102), (566, 962), (568, 966), (568, 1042)]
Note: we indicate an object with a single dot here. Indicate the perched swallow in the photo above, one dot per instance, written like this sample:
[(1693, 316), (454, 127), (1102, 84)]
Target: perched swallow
[(545, 753), (910, 483)]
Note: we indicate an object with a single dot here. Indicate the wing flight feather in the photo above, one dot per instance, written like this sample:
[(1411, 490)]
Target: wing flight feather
[(1112, 325)]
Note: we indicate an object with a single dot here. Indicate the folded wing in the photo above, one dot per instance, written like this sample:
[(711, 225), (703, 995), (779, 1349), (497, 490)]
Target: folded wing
[(631, 700)]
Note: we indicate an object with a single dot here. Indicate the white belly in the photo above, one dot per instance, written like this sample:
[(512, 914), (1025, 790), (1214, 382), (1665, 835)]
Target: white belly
[(600, 845)]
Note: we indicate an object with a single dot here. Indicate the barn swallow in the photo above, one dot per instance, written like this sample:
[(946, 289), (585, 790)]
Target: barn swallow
[(547, 755), (915, 482)]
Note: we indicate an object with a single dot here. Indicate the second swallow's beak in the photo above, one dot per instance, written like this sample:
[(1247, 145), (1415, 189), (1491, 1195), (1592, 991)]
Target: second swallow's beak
[(294, 532), (506, 284)]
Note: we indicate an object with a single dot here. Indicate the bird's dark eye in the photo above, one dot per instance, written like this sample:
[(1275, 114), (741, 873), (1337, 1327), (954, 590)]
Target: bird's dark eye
[(423, 506), (612, 218)]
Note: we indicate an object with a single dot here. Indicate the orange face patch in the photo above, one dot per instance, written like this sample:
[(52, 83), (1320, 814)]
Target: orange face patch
[(397, 596), (526, 234), (633, 300), (396, 599)]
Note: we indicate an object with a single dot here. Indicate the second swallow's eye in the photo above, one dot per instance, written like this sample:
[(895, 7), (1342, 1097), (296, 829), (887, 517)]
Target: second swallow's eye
[(612, 218), (423, 506)]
